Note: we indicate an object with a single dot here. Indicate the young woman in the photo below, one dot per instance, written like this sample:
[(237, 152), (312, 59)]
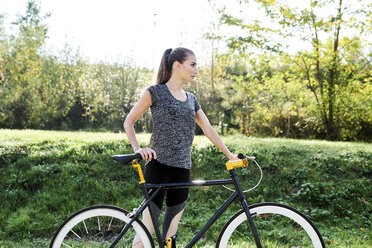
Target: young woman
[(174, 113)]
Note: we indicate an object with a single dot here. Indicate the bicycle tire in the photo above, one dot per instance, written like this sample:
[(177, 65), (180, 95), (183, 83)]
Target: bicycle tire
[(277, 225), (107, 222)]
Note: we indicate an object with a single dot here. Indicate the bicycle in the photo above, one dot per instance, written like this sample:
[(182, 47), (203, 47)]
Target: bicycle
[(259, 225)]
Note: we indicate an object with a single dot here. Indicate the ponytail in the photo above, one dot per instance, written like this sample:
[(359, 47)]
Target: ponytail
[(164, 73), (169, 57)]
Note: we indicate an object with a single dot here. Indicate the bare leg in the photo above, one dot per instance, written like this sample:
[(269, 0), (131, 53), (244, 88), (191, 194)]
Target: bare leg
[(147, 221), (174, 225), (171, 220)]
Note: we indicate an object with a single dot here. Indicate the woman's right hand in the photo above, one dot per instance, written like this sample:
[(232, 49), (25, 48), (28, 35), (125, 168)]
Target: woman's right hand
[(146, 153)]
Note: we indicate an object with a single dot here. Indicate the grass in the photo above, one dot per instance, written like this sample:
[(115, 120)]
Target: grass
[(47, 175)]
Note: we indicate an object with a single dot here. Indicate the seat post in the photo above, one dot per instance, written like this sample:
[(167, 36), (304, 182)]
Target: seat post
[(140, 173)]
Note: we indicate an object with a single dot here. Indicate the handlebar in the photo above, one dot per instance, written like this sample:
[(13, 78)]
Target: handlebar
[(242, 156), (242, 162)]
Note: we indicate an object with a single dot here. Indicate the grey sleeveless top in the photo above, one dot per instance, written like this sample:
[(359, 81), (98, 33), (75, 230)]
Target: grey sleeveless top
[(173, 126)]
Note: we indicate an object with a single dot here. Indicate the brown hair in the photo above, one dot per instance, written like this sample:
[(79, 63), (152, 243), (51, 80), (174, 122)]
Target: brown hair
[(169, 57)]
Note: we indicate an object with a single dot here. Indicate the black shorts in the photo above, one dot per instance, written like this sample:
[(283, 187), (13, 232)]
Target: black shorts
[(157, 172)]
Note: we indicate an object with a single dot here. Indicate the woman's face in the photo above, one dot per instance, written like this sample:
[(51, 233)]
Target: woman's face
[(188, 69)]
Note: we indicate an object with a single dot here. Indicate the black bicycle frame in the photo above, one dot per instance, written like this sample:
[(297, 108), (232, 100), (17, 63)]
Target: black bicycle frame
[(238, 193)]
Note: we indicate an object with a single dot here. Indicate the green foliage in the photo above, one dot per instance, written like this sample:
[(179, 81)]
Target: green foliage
[(321, 92), (46, 176), (331, 70), (44, 91), (20, 95)]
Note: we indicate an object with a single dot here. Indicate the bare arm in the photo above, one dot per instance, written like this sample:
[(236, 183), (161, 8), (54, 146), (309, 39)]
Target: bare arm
[(139, 108), (211, 133)]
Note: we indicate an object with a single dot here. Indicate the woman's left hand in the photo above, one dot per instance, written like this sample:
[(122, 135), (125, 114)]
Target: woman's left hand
[(233, 157)]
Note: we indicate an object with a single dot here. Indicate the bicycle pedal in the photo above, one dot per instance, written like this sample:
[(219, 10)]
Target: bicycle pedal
[(171, 242)]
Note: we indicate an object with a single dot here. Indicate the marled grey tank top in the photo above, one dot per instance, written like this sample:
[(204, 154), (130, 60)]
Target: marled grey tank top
[(173, 126)]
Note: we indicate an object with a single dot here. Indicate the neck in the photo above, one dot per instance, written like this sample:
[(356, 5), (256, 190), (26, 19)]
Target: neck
[(175, 84)]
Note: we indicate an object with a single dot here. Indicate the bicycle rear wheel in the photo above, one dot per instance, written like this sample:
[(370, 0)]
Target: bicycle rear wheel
[(98, 226), (278, 226)]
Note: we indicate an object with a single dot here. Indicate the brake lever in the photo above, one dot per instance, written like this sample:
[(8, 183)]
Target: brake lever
[(250, 157)]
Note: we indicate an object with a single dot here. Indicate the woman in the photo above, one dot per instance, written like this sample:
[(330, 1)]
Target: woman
[(174, 113)]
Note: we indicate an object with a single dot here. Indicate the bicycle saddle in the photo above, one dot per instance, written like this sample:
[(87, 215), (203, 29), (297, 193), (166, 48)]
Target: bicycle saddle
[(126, 158)]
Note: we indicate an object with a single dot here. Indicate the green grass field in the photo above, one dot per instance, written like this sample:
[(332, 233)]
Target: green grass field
[(47, 175)]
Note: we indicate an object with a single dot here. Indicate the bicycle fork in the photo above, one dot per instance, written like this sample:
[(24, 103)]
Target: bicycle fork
[(246, 208)]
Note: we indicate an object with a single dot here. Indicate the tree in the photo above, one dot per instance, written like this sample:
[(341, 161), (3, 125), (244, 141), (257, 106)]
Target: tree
[(3, 49), (323, 68), (22, 91), (115, 90), (40, 90)]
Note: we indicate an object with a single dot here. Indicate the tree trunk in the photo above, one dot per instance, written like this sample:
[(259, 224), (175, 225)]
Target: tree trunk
[(331, 128)]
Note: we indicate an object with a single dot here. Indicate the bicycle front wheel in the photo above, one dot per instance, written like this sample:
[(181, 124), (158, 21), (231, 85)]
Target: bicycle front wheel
[(98, 226), (278, 226)]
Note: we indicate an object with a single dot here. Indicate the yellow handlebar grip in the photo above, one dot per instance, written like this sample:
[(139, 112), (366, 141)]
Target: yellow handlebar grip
[(169, 242), (138, 166), (236, 163)]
